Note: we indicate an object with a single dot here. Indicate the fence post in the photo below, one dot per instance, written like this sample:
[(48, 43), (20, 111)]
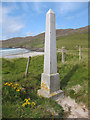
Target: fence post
[(26, 73), (63, 54), (79, 53)]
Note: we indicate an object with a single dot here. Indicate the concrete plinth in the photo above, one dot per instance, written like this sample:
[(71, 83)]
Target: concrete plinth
[(55, 95), (50, 82)]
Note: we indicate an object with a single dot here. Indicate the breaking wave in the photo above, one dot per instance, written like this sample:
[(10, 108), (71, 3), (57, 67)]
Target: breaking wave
[(12, 51)]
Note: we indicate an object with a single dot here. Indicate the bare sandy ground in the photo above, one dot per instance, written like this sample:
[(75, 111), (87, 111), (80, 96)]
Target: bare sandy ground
[(72, 109), (25, 55)]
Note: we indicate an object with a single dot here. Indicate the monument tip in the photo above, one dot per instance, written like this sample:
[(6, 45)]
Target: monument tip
[(50, 11)]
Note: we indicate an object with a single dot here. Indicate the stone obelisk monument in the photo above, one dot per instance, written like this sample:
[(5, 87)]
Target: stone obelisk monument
[(50, 83)]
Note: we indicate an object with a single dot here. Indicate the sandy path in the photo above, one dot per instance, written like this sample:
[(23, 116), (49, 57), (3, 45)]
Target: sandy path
[(72, 109), (25, 55)]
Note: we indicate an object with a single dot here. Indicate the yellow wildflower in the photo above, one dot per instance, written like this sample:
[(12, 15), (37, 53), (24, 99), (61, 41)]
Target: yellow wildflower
[(25, 99), (33, 103), (9, 85), (18, 90), (29, 99), (51, 113), (16, 85), (6, 84), (23, 105), (24, 91), (29, 103), (86, 91)]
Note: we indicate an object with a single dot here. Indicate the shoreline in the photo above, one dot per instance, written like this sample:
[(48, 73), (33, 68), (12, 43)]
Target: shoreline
[(30, 49), (24, 55)]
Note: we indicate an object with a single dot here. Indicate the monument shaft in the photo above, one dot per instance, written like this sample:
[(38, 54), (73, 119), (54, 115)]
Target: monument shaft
[(50, 58), (50, 84)]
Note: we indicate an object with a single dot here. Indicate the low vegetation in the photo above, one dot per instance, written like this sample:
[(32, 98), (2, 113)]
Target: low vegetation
[(74, 77), (20, 94), (20, 98)]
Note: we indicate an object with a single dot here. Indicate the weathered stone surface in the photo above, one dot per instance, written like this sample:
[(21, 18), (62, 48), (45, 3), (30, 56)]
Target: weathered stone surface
[(50, 58), (55, 95), (50, 83)]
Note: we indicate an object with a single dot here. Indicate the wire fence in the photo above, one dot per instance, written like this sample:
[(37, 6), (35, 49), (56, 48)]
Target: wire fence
[(81, 53)]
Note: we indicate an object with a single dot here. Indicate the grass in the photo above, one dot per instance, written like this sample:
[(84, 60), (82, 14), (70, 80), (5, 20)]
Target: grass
[(72, 73), (13, 71), (73, 41)]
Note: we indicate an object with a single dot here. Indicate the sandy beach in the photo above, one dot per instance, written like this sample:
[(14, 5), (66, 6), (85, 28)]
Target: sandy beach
[(25, 55)]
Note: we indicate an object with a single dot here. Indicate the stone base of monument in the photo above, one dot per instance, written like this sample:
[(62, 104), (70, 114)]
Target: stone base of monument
[(55, 95)]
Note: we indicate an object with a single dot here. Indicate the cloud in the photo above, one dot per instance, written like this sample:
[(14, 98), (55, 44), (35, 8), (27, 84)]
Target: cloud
[(38, 7), (10, 24), (30, 34), (33, 33), (69, 17), (61, 26), (66, 7)]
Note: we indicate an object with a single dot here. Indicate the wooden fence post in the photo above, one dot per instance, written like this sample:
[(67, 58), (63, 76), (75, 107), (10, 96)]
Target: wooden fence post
[(26, 73), (79, 53), (63, 54)]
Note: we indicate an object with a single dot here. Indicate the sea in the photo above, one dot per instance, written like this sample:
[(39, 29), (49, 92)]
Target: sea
[(12, 51)]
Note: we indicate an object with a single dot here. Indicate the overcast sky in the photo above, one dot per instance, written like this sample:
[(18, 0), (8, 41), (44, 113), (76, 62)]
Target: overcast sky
[(28, 18)]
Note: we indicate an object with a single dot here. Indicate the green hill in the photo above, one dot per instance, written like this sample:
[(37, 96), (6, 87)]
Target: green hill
[(65, 37)]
